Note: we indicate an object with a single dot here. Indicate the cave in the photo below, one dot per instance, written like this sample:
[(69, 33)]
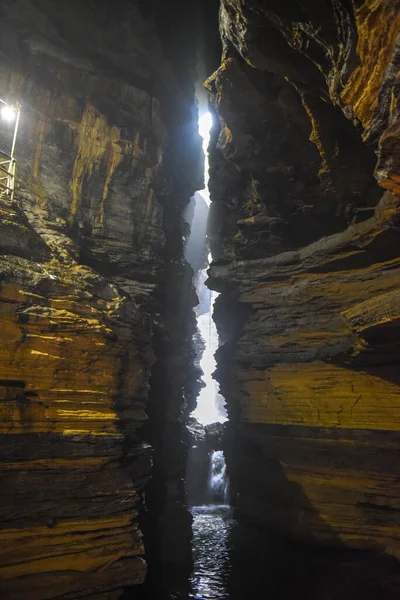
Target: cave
[(199, 301)]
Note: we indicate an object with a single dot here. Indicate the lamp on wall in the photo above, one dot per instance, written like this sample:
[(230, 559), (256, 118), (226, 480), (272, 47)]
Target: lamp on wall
[(9, 113)]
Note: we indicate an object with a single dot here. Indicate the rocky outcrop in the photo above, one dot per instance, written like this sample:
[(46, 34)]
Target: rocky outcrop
[(198, 464), (91, 269), (306, 257)]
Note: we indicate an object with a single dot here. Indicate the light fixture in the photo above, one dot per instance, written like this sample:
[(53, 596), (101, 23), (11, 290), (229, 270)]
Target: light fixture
[(8, 113), (7, 160)]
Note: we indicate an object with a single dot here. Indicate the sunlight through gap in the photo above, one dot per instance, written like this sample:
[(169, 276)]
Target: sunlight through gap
[(210, 404)]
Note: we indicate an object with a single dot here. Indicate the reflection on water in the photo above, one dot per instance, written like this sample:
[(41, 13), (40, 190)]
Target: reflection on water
[(240, 562), (237, 561), (212, 526)]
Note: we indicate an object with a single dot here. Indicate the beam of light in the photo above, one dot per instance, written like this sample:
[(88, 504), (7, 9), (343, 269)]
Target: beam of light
[(210, 403), (8, 113), (205, 122), (209, 407)]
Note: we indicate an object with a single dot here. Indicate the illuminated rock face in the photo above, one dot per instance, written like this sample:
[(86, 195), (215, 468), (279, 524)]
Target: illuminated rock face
[(306, 257), (95, 298)]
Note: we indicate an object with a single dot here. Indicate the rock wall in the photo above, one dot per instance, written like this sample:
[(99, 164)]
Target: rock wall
[(95, 297), (305, 234)]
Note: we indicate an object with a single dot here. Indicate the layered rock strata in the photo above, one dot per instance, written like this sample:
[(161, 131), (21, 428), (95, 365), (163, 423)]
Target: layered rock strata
[(306, 257), (91, 268)]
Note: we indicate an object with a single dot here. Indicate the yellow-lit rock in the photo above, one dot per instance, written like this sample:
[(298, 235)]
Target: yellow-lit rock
[(307, 263), (85, 255)]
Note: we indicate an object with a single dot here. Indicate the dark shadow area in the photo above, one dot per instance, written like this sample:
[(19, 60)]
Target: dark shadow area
[(263, 495), (265, 565), (196, 215)]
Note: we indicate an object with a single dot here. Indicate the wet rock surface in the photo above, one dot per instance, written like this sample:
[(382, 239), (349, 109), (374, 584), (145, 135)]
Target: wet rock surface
[(306, 258), (198, 464), (98, 372), (93, 340)]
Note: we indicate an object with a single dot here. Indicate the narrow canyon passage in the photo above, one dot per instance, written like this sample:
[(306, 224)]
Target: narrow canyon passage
[(199, 299), (211, 513)]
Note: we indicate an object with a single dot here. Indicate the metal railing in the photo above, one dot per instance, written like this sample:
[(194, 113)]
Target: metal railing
[(7, 161), (7, 175)]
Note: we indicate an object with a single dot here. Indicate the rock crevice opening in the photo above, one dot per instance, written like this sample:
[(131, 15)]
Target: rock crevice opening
[(98, 367)]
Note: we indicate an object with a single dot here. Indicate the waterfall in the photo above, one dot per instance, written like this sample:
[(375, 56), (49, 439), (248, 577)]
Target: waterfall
[(218, 479)]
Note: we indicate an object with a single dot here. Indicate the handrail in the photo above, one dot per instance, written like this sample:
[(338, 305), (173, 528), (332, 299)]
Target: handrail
[(8, 166), (5, 170), (8, 187)]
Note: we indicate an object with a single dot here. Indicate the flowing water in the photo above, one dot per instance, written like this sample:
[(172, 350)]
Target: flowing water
[(236, 561), (212, 525), (218, 480), (240, 561)]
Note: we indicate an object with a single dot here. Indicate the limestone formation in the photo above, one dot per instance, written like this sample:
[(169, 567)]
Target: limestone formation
[(98, 365), (91, 269), (304, 182)]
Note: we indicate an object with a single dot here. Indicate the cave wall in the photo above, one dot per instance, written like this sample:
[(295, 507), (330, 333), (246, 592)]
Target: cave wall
[(305, 239), (95, 297)]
